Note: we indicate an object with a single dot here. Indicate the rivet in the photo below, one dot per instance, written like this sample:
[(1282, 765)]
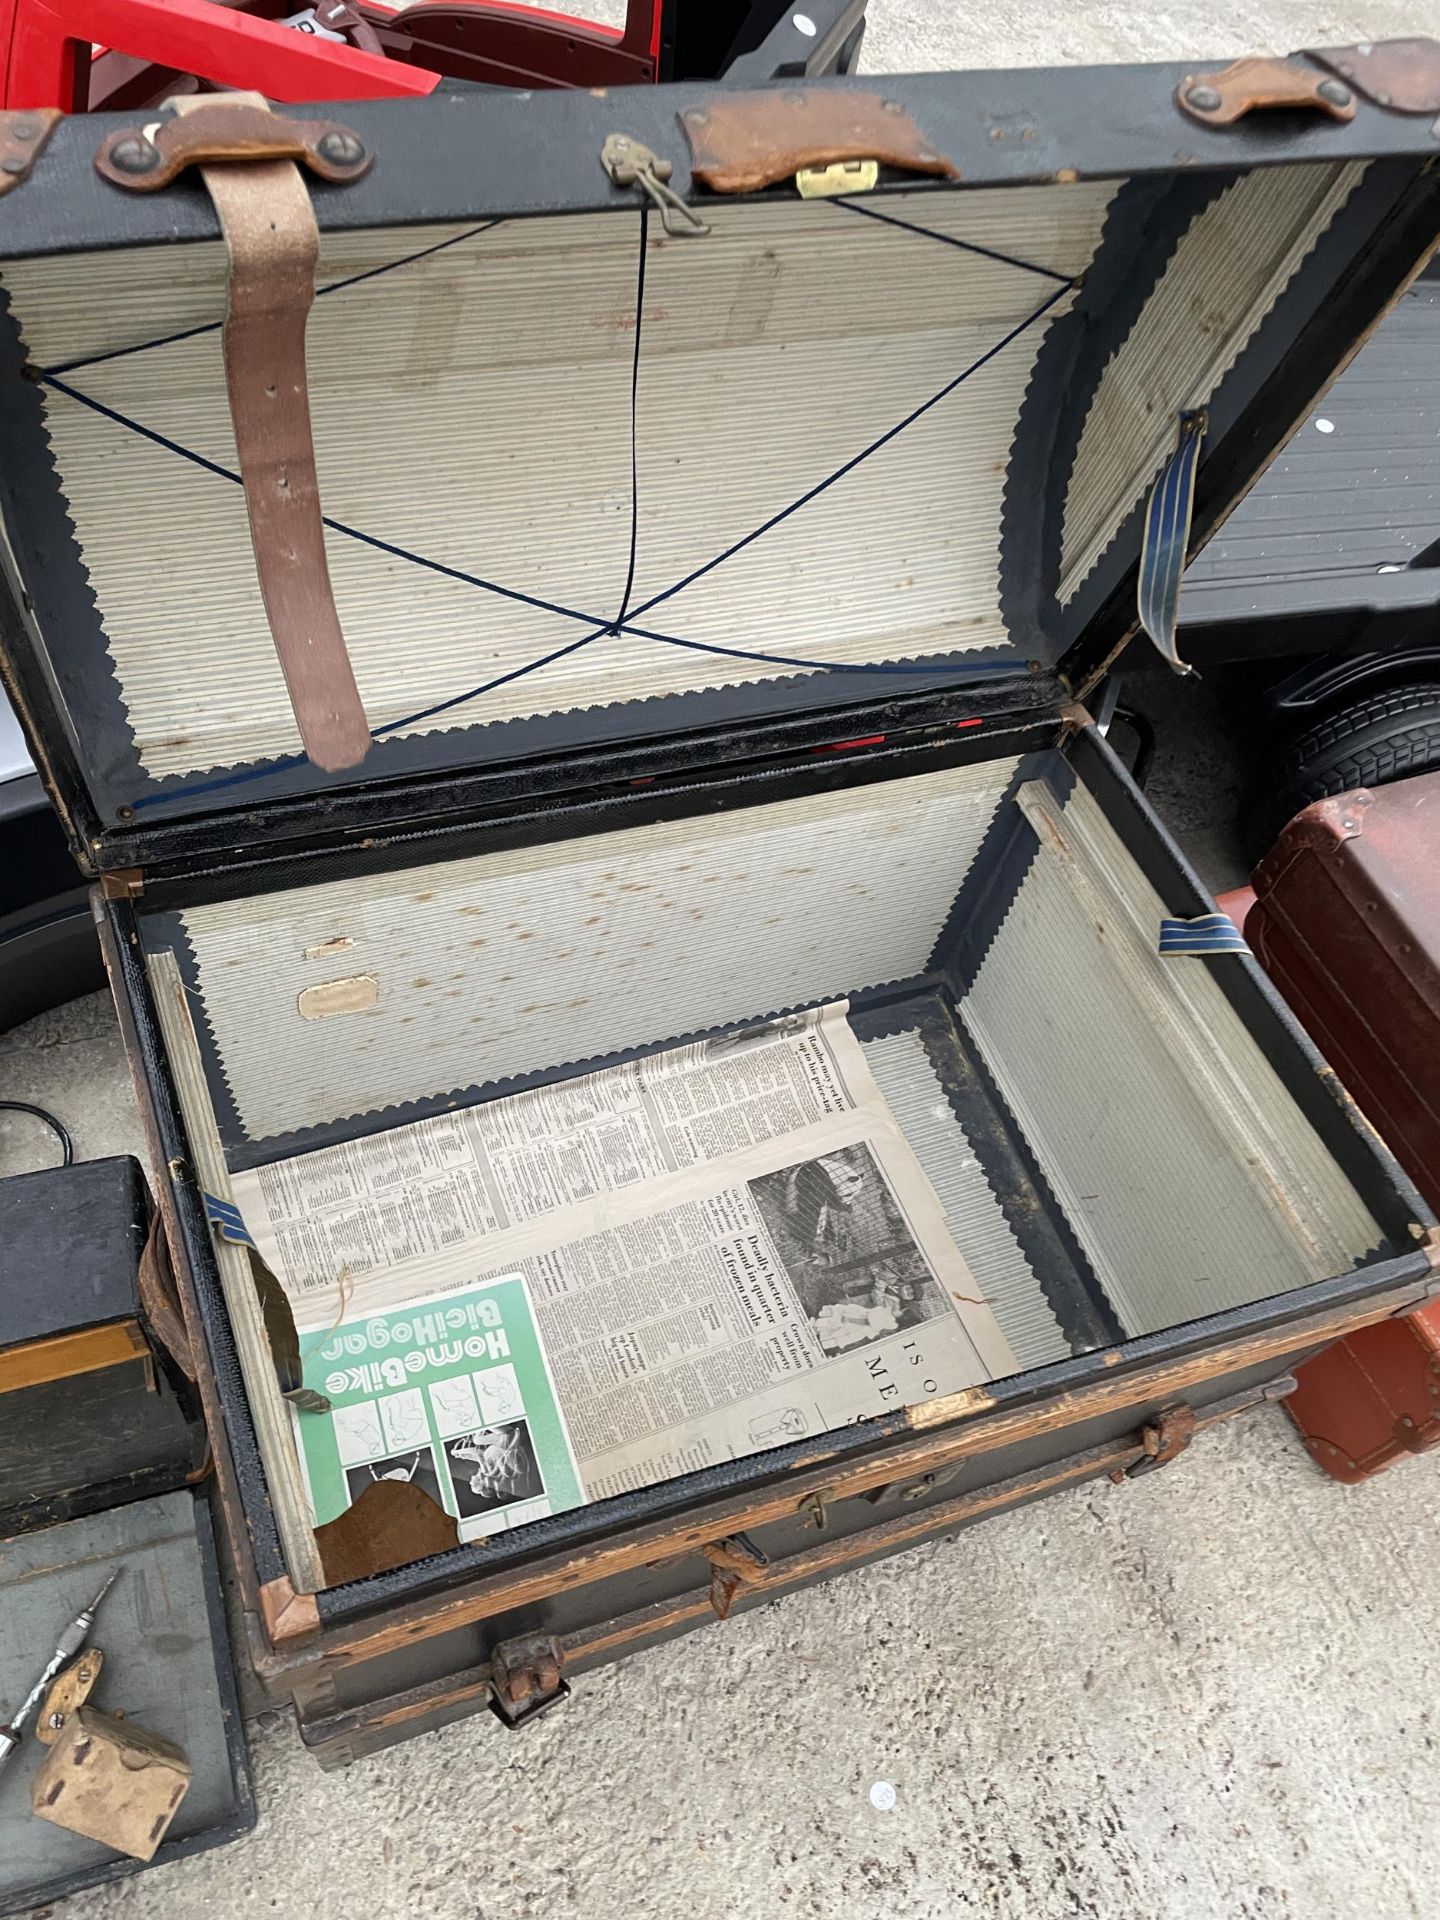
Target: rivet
[(1335, 92), (1383, 100), (14, 163), (802, 23), (25, 129), (134, 156), (340, 149), (1203, 99), (892, 106)]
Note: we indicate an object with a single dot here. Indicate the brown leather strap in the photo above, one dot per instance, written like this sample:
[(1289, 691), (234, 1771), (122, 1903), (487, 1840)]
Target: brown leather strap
[(273, 242), (160, 1300)]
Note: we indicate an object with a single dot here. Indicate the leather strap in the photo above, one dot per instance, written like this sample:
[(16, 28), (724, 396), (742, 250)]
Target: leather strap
[(273, 243)]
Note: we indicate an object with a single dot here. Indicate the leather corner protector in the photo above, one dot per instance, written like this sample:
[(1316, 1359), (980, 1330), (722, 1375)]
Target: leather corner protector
[(287, 1615)]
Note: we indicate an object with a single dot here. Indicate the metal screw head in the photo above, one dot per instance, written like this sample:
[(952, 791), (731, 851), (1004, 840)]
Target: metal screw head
[(14, 163), (1335, 91), (24, 129), (340, 149), (802, 23), (1203, 99), (134, 156)]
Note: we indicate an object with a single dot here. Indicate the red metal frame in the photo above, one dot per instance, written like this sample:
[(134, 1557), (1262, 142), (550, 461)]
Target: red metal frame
[(49, 48)]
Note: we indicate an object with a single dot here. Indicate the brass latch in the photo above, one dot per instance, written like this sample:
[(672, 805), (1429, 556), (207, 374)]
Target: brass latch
[(841, 176), (631, 165), (1164, 1439), (526, 1678), (735, 1562)]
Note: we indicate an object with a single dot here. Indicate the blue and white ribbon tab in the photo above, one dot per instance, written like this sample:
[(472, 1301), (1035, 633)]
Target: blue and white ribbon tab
[(1166, 538), (227, 1221), (1209, 933)]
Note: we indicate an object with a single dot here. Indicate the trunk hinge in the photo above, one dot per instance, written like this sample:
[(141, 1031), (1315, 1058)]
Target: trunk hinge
[(125, 883), (1164, 1440), (246, 155), (526, 1679)]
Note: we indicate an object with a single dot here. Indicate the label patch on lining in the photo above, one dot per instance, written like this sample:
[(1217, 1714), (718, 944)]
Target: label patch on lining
[(353, 995)]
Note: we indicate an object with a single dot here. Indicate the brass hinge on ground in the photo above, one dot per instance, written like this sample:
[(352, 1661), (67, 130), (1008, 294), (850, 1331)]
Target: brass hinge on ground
[(526, 1678)]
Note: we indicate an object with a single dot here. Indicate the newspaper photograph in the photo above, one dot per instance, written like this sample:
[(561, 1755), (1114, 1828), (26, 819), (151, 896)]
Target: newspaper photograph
[(787, 1289), (482, 1170)]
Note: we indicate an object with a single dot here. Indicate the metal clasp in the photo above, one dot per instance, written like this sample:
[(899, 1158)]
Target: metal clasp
[(841, 176), (735, 1562), (525, 1678), (1164, 1440), (631, 165)]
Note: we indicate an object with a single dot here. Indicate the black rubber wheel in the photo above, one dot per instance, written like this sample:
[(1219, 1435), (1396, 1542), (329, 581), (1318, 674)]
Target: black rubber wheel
[(1386, 736)]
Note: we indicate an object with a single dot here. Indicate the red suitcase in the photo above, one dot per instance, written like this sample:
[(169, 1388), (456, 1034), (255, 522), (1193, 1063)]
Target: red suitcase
[(1347, 924)]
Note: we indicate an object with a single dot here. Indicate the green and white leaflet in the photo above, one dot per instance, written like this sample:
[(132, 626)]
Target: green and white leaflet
[(453, 1395)]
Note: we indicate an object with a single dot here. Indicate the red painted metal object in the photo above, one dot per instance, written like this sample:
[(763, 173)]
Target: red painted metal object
[(1346, 923), (84, 55)]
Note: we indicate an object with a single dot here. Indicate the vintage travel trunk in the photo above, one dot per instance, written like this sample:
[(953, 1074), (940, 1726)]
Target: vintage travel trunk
[(1347, 925), (729, 499)]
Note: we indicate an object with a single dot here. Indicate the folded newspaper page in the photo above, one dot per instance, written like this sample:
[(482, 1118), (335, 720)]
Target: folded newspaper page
[(689, 1259), (481, 1170)]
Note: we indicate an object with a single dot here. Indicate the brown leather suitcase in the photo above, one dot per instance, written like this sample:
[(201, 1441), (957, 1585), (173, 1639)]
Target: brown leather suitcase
[(1347, 925)]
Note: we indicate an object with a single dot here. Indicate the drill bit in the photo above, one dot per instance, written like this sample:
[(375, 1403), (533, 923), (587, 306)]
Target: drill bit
[(71, 1640)]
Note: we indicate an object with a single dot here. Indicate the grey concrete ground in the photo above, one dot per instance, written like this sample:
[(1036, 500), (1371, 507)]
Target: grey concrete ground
[(1207, 1695)]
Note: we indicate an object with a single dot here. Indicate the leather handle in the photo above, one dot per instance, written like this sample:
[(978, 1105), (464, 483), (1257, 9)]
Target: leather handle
[(1220, 99), (147, 157), (751, 140)]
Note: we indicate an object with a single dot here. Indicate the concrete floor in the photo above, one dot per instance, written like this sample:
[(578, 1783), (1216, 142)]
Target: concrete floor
[(1210, 1694)]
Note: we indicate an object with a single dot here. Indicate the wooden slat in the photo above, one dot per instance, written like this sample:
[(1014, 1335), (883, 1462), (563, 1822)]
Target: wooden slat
[(64, 1355)]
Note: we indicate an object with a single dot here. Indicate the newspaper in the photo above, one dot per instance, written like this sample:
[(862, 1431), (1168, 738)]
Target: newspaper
[(717, 1250), (481, 1170)]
